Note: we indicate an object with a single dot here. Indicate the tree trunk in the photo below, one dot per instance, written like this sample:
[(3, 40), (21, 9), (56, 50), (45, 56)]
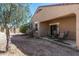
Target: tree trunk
[(14, 30), (7, 38)]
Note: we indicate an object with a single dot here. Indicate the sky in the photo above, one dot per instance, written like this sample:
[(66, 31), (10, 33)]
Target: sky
[(34, 6)]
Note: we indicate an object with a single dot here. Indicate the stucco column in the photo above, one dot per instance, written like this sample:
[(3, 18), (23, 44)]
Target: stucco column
[(77, 29), (39, 29)]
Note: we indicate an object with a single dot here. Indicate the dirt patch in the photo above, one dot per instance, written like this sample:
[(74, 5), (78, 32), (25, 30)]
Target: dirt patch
[(39, 47)]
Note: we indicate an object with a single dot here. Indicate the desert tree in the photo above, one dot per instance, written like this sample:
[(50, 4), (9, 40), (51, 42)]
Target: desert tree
[(11, 15)]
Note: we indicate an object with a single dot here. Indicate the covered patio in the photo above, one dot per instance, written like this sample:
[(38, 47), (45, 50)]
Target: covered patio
[(61, 18), (55, 29)]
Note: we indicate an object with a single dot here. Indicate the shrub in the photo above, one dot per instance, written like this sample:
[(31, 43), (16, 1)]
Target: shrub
[(23, 28)]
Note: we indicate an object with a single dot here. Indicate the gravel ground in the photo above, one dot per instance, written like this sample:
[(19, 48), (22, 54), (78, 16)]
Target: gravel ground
[(39, 47)]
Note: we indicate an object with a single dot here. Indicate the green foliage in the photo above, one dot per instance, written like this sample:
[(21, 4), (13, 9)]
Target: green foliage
[(23, 28), (14, 14), (11, 15)]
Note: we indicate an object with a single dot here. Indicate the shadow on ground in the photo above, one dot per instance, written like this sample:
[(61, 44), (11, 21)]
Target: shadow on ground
[(38, 47), (21, 43), (32, 46)]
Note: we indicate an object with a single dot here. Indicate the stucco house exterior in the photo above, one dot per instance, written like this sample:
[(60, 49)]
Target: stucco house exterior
[(62, 17)]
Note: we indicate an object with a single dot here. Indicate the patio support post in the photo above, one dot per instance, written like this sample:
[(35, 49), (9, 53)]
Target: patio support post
[(77, 30)]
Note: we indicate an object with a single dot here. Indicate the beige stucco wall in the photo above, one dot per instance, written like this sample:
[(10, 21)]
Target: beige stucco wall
[(44, 28), (67, 23), (54, 12), (77, 29)]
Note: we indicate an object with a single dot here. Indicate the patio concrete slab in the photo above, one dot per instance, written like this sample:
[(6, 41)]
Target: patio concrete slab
[(66, 43)]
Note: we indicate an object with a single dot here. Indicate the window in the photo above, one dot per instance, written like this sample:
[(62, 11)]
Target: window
[(36, 27)]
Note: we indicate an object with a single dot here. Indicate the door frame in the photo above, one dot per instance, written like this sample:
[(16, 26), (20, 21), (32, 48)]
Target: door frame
[(57, 23)]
